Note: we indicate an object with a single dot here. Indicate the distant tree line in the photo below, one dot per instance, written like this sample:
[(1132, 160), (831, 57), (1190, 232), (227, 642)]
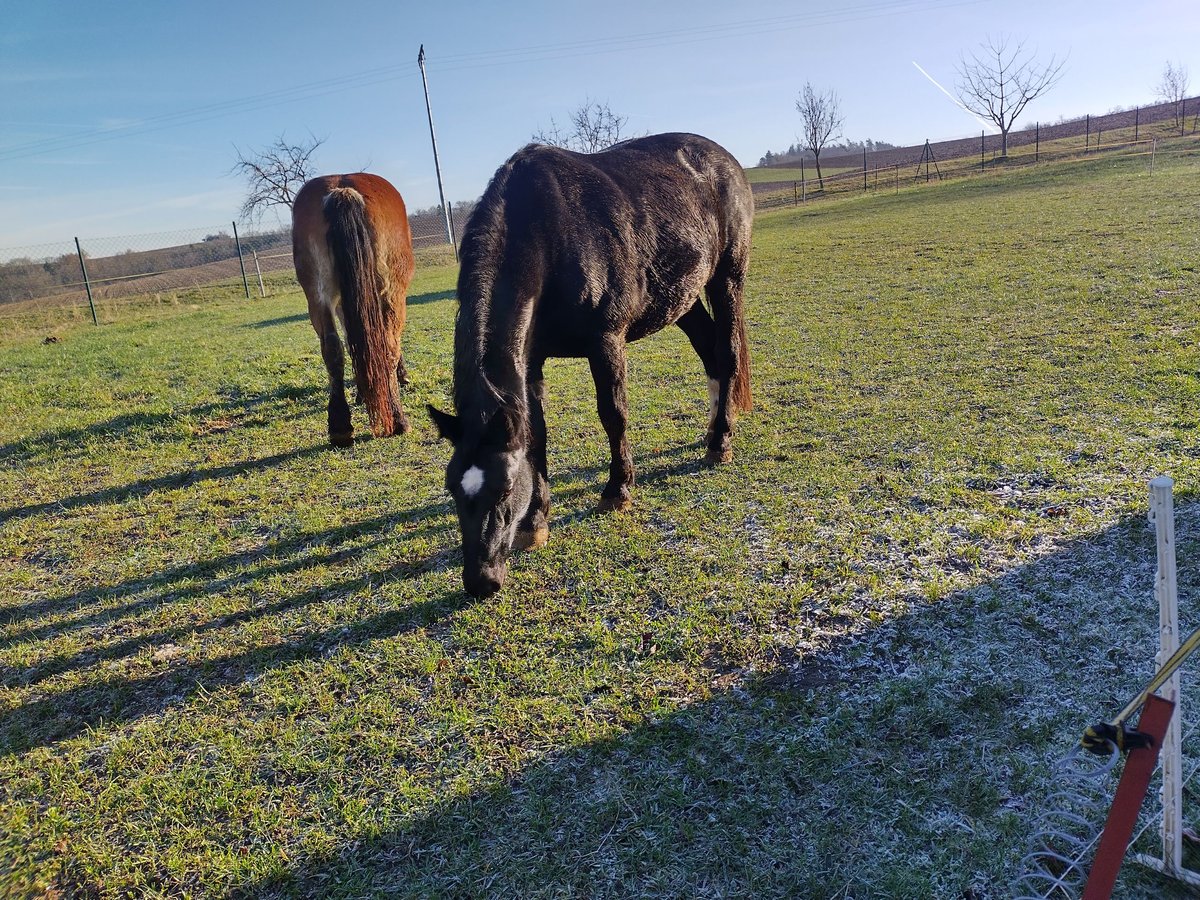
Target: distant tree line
[(457, 208), (793, 154)]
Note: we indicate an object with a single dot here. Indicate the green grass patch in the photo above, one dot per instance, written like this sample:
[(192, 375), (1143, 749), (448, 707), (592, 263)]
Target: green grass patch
[(236, 662)]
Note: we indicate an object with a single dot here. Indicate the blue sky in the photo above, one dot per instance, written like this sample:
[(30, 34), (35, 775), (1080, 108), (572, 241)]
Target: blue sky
[(121, 118)]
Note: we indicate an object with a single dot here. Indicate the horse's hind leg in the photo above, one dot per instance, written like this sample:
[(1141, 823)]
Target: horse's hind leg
[(400, 373), (731, 364), (608, 371), (341, 431), (701, 331)]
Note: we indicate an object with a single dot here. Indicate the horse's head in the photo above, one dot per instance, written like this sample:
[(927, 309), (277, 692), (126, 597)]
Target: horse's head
[(491, 480)]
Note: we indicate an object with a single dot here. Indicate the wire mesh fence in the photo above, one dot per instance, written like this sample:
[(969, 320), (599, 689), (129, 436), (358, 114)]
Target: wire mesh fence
[(1065, 832), (107, 270), (1133, 131)]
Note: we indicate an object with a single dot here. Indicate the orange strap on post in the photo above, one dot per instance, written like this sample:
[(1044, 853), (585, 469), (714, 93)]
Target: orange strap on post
[(1135, 780)]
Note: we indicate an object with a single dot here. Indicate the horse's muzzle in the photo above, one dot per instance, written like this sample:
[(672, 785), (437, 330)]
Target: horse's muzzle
[(484, 581)]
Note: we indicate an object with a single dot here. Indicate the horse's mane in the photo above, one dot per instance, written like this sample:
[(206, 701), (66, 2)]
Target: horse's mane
[(477, 396)]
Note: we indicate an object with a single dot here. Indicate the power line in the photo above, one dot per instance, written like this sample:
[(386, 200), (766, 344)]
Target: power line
[(483, 59), (695, 34), (209, 112)]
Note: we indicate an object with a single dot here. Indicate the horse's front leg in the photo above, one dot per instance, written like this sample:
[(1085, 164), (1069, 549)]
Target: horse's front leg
[(341, 431), (535, 527), (608, 371)]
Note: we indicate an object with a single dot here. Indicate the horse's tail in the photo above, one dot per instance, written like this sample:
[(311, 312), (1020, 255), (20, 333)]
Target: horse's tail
[(352, 244), (728, 290), (739, 388)]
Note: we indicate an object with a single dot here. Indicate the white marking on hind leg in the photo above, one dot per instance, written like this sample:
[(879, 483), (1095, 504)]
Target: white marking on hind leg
[(328, 292), (472, 481), (714, 401)]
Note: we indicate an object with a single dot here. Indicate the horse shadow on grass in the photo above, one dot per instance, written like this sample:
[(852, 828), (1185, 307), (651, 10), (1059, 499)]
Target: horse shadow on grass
[(278, 320), (116, 699), (65, 442), (419, 299), (282, 557), (143, 487), (906, 759), (84, 614), (194, 581), (431, 297)]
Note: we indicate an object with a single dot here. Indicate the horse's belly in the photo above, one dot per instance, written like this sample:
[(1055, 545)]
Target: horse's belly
[(661, 311)]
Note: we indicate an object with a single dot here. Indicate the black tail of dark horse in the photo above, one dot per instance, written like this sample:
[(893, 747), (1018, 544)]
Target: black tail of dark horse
[(353, 248), (739, 388)]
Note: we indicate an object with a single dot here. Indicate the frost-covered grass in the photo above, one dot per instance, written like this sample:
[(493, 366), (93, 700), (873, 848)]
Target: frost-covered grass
[(233, 661)]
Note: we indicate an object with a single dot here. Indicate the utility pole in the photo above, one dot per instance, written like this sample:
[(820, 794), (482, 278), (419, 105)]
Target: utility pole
[(436, 164)]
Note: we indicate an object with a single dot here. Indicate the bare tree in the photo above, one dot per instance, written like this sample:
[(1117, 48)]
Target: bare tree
[(999, 82), (820, 120), (1173, 88), (593, 126), (274, 174)]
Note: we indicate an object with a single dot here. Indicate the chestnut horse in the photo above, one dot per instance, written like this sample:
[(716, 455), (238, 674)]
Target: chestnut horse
[(353, 254), (573, 255)]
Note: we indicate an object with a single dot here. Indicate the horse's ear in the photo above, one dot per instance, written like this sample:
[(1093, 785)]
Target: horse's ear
[(448, 426), (502, 430)]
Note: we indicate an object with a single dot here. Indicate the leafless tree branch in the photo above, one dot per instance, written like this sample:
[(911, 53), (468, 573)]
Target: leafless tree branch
[(1173, 88), (821, 121), (1001, 79), (593, 127), (274, 174)]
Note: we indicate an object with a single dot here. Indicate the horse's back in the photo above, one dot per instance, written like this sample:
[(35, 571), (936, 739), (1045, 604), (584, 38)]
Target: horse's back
[(621, 240)]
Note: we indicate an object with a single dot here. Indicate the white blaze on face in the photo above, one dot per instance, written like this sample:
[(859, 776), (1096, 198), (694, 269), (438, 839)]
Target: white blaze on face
[(472, 481)]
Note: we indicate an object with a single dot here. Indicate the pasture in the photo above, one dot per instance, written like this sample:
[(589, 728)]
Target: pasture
[(236, 662)]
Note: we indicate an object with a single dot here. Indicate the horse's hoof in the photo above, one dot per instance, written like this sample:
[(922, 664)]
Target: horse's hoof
[(614, 504), (531, 540), (718, 457), (341, 438)]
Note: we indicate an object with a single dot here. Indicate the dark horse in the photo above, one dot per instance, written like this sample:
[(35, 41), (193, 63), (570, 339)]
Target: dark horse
[(353, 254), (574, 255)]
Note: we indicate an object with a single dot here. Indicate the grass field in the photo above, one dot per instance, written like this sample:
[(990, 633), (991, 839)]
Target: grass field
[(234, 662), (788, 173)]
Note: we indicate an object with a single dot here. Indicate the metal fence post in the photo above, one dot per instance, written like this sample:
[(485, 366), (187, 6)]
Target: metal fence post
[(803, 182), (1087, 133), (864, 169), (86, 282), (1037, 140), (981, 136), (241, 260), (1137, 114)]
